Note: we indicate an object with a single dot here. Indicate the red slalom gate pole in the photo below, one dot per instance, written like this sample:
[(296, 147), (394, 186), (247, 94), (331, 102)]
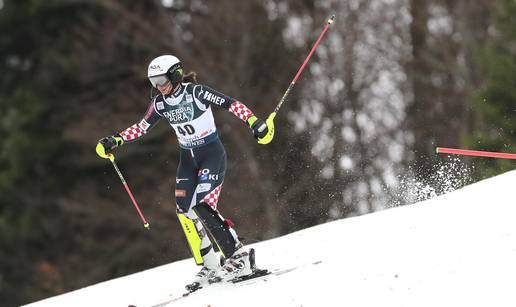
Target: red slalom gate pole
[(126, 186), (475, 153)]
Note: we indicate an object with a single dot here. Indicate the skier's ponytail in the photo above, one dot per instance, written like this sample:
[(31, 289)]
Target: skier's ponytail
[(190, 77)]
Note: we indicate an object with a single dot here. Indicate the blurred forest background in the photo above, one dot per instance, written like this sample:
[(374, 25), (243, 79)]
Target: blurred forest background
[(392, 80)]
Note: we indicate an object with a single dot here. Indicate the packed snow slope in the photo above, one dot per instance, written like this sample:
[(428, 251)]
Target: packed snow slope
[(454, 250)]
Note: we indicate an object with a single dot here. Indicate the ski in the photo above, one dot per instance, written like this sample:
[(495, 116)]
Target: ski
[(268, 274), (192, 288), (256, 276)]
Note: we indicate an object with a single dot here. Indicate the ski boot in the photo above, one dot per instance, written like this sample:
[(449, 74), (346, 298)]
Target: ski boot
[(203, 278), (239, 267)]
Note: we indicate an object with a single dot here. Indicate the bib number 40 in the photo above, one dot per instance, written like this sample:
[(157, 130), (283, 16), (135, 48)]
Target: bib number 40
[(186, 129)]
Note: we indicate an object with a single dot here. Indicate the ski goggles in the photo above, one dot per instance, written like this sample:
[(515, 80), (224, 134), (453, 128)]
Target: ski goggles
[(160, 80)]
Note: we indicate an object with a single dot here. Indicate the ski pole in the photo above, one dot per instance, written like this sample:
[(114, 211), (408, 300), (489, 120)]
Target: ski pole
[(475, 153), (282, 100), (112, 159), (270, 119)]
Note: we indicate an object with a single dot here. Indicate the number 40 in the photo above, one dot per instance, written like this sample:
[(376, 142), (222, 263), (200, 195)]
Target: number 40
[(186, 129)]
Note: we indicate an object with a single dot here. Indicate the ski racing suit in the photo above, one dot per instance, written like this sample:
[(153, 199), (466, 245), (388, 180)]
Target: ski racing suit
[(202, 164)]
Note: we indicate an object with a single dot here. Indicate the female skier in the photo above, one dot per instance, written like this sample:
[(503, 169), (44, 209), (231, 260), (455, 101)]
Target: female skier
[(186, 106)]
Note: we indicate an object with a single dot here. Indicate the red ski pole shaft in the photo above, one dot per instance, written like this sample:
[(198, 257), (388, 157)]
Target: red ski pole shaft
[(328, 23), (126, 186), (475, 153)]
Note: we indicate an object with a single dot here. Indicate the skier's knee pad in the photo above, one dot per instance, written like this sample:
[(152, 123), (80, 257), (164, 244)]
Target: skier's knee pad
[(219, 230)]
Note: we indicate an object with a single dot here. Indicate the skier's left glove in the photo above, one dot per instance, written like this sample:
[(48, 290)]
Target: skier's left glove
[(106, 145), (263, 131)]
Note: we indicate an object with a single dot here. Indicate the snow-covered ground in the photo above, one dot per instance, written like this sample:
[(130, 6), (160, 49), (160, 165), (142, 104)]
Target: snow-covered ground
[(454, 250)]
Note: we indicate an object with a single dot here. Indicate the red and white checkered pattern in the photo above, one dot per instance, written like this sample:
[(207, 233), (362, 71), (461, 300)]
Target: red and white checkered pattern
[(132, 133), (240, 110), (213, 197)]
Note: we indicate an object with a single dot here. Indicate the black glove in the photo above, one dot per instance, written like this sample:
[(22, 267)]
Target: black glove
[(258, 126), (107, 144)]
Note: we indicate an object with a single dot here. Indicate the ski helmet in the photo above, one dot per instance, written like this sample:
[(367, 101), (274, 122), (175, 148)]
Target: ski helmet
[(163, 69)]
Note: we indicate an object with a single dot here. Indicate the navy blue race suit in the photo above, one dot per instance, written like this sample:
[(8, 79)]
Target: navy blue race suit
[(202, 163)]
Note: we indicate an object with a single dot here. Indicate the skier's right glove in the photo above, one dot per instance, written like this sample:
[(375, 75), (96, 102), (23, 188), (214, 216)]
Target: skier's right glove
[(106, 145)]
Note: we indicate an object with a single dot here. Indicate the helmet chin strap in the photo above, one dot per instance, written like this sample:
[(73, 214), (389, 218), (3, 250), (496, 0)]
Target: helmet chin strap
[(176, 88)]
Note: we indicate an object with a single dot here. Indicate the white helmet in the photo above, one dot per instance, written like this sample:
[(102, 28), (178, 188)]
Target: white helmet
[(163, 69)]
